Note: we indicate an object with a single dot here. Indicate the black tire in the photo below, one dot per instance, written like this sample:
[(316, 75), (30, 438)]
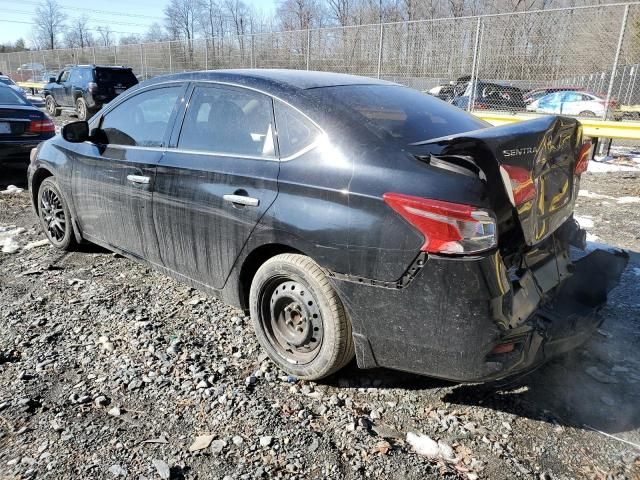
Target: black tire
[(306, 331), (50, 106), (81, 109), (587, 113), (54, 215)]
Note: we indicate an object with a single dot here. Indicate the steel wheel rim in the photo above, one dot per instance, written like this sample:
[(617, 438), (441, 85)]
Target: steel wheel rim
[(50, 106), (292, 320), (82, 113), (52, 214)]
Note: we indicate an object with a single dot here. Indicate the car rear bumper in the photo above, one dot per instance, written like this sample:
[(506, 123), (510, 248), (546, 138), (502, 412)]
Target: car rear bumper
[(447, 321), (17, 151)]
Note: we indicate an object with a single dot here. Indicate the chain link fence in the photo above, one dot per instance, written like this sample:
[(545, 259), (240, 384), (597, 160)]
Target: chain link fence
[(574, 61)]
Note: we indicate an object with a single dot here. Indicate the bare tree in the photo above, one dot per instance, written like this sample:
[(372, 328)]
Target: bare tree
[(78, 34), (298, 14), (156, 33), (106, 35), (49, 23)]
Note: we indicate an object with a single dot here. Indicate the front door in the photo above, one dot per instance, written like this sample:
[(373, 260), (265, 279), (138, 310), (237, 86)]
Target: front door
[(212, 189), (58, 90), (112, 180)]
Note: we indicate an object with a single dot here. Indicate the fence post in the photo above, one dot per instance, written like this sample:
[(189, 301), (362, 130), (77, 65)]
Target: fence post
[(115, 55), (206, 54), (623, 27), (474, 67), (93, 50), (308, 47), (253, 53), (170, 60), (380, 46)]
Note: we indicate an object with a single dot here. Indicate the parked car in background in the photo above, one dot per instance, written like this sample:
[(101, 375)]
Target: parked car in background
[(22, 126), (571, 103), (538, 93), (378, 222), (33, 98), (86, 88), (488, 96), (443, 92)]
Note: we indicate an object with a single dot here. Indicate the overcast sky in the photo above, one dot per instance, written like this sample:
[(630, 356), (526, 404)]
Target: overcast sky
[(121, 15)]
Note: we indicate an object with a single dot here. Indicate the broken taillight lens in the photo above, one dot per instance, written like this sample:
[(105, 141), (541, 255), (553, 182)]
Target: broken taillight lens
[(447, 227), (518, 183), (582, 162)]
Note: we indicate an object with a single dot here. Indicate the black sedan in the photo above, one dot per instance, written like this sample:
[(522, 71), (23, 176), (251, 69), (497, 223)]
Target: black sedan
[(349, 216), (22, 127)]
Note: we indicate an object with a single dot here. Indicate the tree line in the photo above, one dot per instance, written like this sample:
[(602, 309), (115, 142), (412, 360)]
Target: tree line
[(187, 20)]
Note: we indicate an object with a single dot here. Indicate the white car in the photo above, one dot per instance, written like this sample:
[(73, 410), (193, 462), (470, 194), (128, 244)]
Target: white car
[(570, 103)]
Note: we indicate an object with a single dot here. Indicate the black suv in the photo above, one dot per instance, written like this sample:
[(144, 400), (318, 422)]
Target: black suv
[(86, 88)]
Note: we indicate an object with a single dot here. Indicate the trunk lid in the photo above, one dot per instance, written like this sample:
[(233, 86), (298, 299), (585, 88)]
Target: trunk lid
[(15, 120), (529, 166)]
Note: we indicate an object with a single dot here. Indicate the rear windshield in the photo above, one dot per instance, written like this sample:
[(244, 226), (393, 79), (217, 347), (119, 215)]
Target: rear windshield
[(9, 97), (114, 76), (401, 113), (6, 81)]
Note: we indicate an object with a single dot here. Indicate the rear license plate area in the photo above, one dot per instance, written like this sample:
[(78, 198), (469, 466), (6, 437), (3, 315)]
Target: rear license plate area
[(5, 128)]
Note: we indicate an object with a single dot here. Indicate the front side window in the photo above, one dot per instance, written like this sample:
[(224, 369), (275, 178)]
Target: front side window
[(228, 121), (295, 131), (141, 120), (64, 76)]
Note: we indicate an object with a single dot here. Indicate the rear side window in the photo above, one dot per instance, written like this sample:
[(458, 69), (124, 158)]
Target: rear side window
[(141, 120), (399, 113), (9, 97), (228, 121), (115, 76), (295, 131)]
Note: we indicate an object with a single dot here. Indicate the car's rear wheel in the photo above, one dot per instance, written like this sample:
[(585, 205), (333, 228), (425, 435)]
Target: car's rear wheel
[(298, 317), (51, 107), (587, 113), (54, 214), (81, 109)]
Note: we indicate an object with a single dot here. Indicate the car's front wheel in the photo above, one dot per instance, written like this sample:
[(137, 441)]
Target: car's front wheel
[(51, 107), (54, 214), (81, 109), (298, 317)]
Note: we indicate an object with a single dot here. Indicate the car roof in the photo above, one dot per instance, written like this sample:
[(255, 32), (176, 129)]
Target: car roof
[(298, 79)]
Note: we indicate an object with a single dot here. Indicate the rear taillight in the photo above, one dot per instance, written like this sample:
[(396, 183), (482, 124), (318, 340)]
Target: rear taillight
[(480, 106), (447, 227), (582, 161), (44, 125), (518, 183)]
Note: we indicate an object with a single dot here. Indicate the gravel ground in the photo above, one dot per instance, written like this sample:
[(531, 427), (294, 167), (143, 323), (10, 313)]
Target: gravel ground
[(109, 369)]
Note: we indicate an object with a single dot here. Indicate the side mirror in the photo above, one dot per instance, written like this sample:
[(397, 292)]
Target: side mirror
[(76, 132), (52, 79)]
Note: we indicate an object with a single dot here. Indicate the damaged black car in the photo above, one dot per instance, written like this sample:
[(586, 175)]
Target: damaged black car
[(349, 216)]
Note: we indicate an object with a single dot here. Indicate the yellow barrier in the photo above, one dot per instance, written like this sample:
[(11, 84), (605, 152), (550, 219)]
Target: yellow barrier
[(36, 85), (592, 127)]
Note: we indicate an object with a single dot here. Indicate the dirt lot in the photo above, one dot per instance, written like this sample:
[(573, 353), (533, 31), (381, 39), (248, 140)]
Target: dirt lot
[(109, 369)]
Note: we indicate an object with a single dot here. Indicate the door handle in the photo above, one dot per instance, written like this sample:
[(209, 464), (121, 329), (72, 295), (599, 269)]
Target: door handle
[(141, 179), (241, 200)]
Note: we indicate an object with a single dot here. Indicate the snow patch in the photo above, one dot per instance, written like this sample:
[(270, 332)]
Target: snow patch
[(588, 194), (584, 221), (628, 200), (591, 237), (8, 238), (605, 167), (11, 189)]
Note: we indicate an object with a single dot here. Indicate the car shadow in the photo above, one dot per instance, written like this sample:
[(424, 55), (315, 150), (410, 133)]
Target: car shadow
[(13, 174)]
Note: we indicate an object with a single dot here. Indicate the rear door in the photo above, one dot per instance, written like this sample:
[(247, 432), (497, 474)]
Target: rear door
[(113, 177), (213, 188)]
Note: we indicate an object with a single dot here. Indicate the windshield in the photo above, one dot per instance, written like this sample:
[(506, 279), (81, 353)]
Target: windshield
[(9, 97), (401, 113), (116, 76)]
